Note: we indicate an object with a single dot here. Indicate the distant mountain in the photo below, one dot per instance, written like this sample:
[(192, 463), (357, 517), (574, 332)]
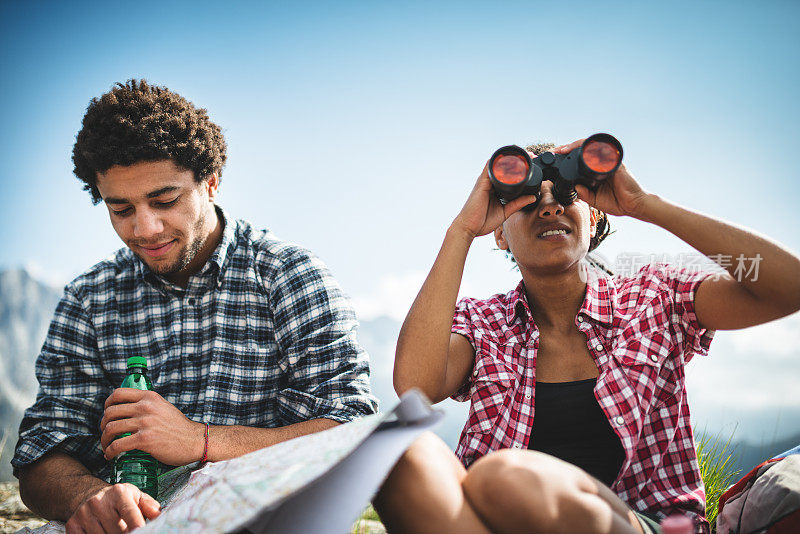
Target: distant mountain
[(747, 455), (26, 308)]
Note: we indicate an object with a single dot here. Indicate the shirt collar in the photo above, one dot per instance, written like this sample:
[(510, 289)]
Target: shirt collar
[(517, 304), (227, 244), (597, 302), (217, 263)]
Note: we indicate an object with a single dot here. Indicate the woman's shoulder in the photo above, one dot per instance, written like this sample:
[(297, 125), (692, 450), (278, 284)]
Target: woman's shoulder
[(494, 305), (658, 291), (490, 319), (653, 279)]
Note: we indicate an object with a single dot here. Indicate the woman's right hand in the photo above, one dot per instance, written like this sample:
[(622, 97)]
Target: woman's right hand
[(482, 212)]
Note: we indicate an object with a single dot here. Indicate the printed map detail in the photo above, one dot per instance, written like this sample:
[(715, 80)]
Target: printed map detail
[(223, 496)]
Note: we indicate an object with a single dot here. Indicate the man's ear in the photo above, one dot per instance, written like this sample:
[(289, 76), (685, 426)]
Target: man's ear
[(500, 238), (211, 186), (593, 216)]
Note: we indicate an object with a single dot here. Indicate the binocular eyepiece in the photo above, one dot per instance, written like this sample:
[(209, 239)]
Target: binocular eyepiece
[(514, 173)]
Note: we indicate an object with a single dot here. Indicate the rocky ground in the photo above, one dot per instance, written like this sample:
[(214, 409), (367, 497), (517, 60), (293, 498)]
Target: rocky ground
[(13, 514)]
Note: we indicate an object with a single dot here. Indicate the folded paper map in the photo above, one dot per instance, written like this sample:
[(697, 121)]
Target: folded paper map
[(315, 484)]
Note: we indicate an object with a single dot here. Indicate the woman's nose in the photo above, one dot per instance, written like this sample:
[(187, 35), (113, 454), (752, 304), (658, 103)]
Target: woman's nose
[(548, 205)]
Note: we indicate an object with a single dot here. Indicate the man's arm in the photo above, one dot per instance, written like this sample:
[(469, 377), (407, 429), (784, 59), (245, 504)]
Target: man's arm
[(326, 369), (226, 442), (56, 484), (56, 450), (59, 487), (160, 429)]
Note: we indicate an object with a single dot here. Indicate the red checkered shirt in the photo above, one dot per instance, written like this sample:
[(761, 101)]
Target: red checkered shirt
[(641, 331)]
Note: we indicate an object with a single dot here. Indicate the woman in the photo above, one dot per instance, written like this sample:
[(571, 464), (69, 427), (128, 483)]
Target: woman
[(571, 364)]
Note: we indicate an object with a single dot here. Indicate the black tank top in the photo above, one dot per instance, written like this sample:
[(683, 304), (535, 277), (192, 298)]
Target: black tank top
[(570, 425)]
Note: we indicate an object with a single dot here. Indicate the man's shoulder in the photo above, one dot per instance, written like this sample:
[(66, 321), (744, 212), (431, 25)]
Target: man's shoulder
[(104, 275), (270, 253)]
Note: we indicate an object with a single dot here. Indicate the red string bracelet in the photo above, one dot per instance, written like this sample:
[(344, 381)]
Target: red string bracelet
[(205, 448)]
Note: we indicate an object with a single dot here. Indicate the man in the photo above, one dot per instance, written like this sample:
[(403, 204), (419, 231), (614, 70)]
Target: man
[(248, 339)]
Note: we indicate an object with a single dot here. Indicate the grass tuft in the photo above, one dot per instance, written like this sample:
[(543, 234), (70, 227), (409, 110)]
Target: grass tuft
[(716, 459)]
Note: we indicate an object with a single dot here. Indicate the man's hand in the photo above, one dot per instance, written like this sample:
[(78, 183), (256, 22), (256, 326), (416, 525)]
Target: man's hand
[(156, 427), (117, 508)]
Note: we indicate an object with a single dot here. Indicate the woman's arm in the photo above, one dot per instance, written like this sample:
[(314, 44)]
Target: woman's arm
[(738, 299), (721, 303), (428, 356)]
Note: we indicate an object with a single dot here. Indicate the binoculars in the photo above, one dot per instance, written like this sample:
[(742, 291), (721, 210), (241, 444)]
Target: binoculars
[(514, 173)]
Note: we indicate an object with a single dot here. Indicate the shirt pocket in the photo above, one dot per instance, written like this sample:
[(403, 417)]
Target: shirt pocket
[(493, 387), (645, 361)]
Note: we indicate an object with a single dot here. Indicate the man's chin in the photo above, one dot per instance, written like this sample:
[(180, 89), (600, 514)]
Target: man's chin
[(161, 267)]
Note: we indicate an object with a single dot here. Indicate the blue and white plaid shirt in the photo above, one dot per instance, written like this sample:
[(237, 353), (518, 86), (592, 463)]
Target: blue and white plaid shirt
[(262, 336)]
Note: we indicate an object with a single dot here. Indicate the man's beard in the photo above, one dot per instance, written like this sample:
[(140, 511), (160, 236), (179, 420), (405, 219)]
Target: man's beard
[(186, 255)]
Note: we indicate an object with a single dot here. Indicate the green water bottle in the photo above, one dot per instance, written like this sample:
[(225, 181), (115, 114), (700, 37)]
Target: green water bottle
[(134, 466)]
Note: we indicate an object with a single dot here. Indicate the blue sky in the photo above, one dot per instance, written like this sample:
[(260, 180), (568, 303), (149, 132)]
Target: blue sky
[(358, 129)]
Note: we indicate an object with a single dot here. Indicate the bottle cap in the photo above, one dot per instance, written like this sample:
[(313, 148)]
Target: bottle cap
[(137, 361)]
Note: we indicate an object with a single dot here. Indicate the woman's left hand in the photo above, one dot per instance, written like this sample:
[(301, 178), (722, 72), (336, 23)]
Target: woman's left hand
[(619, 194)]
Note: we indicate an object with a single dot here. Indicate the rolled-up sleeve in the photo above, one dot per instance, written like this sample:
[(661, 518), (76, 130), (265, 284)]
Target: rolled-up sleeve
[(315, 328), (67, 411), (464, 324)]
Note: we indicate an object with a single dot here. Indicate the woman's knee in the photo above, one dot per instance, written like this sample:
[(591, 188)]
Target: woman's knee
[(513, 489), (491, 477)]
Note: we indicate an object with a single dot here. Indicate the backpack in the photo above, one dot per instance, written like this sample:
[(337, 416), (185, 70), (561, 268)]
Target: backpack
[(765, 500)]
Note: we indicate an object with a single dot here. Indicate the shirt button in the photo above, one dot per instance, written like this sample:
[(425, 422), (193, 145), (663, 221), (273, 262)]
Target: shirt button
[(654, 357), (475, 372), (598, 347), (580, 319), (527, 395), (517, 446), (619, 420)]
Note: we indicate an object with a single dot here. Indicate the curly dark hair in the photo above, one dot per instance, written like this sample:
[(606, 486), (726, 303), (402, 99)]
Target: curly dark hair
[(603, 225), (136, 122)]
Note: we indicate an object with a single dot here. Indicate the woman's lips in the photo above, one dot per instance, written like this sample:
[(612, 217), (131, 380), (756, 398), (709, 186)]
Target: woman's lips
[(554, 237), (155, 252)]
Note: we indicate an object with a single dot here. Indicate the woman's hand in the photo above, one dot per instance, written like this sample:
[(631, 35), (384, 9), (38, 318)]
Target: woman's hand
[(619, 194), (483, 213)]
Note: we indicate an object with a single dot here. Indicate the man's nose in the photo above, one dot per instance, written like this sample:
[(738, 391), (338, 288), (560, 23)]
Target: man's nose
[(147, 224), (548, 205)]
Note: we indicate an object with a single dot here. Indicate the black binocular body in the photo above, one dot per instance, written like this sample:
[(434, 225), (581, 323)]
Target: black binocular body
[(514, 173)]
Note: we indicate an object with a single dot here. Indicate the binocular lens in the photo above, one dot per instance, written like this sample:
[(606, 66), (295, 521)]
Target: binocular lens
[(510, 169), (600, 156)]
